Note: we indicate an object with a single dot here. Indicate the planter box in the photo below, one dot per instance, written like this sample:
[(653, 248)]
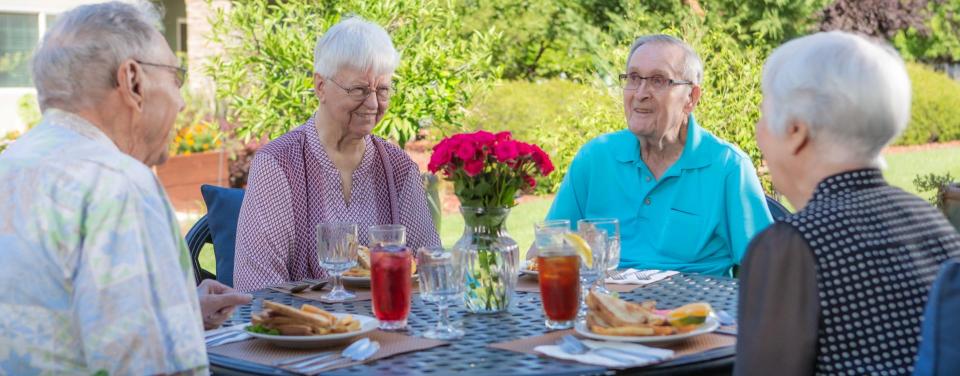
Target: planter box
[(182, 176)]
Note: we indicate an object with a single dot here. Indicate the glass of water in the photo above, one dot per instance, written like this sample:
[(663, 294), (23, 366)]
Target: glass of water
[(337, 252), (611, 226), (442, 283)]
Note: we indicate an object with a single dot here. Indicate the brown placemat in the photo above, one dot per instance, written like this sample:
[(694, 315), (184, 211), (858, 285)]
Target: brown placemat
[(261, 352), (693, 345), (530, 283)]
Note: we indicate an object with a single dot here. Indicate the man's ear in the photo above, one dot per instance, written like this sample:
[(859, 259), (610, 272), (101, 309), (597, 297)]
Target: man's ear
[(692, 99), (797, 137), (130, 84), (319, 84)]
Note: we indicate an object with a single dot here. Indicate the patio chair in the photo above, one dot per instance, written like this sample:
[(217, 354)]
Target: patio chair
[(777, 210), (219, 227), (939, 352)]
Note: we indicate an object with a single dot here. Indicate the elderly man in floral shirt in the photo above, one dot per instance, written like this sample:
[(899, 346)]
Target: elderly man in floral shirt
[(95, 274)]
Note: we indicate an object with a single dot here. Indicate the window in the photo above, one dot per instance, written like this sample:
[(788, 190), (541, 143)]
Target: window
[(19, 33), (182, 35)]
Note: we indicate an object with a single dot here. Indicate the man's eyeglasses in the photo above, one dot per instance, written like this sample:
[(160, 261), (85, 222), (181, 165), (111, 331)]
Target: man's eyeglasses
[(360, 93), (180, 72), (633, 81)]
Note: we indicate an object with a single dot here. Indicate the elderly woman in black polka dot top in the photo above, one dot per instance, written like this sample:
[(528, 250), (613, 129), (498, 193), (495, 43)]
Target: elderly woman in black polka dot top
[(838, 287)]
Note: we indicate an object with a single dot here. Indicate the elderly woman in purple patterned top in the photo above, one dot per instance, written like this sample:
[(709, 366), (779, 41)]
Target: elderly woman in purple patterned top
[(331, 169)]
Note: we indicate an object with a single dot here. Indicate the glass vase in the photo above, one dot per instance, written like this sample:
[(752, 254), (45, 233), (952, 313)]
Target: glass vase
[(491, 258)]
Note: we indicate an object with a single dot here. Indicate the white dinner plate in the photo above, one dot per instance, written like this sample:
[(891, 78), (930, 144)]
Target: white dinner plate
[(708, 326), (367, 325), (524, 265)]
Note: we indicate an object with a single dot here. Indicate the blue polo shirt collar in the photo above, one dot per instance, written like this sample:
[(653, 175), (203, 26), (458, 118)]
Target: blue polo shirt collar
[(695, 154)]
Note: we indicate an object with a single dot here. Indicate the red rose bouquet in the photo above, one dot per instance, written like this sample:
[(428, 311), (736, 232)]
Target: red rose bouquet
[(488, 169)]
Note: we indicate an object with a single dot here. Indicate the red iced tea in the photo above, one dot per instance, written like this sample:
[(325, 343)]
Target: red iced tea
[(390, 282), (560, 286)]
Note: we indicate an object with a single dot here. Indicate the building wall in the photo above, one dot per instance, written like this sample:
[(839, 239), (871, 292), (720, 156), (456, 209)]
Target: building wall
[(199, 48), (9, 96)]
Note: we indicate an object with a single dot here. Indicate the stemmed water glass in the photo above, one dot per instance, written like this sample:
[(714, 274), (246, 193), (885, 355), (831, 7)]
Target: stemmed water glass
[(612, 249), (441, 282), (595, 269), (337, 252)]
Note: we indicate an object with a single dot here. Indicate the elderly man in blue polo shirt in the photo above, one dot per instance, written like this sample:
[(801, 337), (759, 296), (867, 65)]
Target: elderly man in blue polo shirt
[(685, 199)]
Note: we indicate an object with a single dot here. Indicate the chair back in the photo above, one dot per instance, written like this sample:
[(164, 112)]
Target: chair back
[(199, 235), (777, 210), (939, 353)]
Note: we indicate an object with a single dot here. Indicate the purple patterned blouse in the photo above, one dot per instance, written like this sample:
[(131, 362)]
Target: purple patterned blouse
[(293, 186)]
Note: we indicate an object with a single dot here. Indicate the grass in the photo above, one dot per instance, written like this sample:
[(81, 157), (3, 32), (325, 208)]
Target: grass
[(902, 168)]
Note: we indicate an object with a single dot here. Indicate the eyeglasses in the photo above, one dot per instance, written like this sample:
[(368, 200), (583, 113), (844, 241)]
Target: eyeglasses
[(633, 81), (179, 72), (360, 93)]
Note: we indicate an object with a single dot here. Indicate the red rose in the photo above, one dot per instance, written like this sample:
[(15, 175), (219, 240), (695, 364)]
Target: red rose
[(484, 138), (503, 136), (530, 181), (506, 151), (473, 167), (466, 151), (542, 160)]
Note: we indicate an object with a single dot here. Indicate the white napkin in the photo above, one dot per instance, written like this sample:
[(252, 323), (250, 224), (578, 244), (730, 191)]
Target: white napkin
[(651, 355), (213, 333), (634, 274)]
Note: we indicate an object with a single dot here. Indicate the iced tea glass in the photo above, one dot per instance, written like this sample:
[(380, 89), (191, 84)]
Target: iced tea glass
[(559, 269), (337, 253), (559, 286), (390, 273)]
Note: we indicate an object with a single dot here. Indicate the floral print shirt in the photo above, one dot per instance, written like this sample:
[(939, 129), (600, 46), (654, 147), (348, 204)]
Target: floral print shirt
[(94, 274)]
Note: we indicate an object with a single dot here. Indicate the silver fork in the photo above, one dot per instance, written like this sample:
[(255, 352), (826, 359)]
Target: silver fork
[(622, 275)]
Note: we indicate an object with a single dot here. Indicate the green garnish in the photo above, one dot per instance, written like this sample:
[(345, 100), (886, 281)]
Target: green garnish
[(262, 330)]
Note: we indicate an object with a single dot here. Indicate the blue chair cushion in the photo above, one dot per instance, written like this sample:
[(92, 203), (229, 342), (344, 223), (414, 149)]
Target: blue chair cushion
[(223, 210), (940, 334)]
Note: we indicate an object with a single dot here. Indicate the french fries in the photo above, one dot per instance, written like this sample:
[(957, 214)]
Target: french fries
[(610, 316), (306, 321), (363, 264)]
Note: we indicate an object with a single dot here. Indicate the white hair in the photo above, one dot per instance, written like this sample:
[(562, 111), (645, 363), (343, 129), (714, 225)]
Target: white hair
[(692, 65), (77, 61), (355, 43), (853, 93)]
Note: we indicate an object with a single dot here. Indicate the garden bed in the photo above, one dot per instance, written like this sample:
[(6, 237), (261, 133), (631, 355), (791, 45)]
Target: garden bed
[(182, 176)]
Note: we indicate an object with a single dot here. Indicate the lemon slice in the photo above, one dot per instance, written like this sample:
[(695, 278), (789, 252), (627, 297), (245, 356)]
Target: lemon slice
[(583, 249)]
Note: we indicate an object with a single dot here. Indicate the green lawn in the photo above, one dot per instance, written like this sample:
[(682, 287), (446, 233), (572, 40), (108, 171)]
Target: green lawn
[(902, 168)]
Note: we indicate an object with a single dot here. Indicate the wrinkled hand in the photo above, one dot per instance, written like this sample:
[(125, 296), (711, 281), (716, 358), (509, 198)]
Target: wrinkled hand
[(217, 302)]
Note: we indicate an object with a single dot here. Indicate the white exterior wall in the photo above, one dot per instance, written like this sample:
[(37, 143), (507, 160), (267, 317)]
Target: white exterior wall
[(9, 96)]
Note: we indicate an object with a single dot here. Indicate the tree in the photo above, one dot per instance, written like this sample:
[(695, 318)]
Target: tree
[(878, 18), (264, 76)]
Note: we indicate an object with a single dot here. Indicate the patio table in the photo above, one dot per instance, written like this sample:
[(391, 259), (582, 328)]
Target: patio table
[(471, 356)]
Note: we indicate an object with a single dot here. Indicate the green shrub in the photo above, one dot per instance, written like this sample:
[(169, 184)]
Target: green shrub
[(29, 110), (935, 109), (561, 116), (264, 73)]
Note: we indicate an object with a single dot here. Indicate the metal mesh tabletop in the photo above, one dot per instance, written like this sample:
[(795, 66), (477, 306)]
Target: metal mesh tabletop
[(470, 355)]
